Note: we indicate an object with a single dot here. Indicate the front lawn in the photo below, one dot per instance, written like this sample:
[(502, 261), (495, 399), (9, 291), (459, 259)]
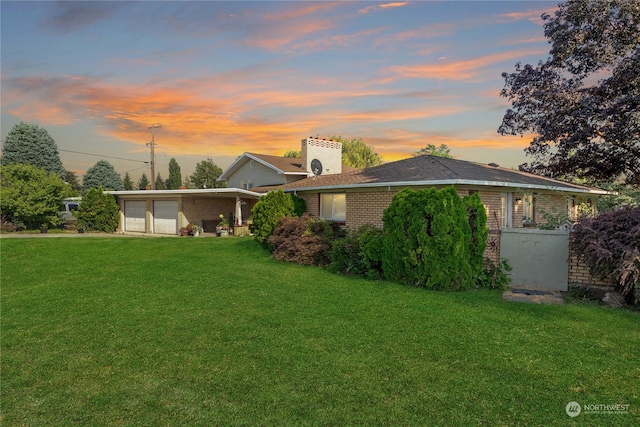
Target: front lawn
[(205, 332)]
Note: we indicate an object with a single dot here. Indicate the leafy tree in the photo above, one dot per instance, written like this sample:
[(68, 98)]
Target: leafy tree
[(160, 183), (72, 179), (127, 183), (266, 213), (293, 154), (143, 182), (582, 102), (30, 196), (98, 211), (432, 150), (102, 174), (206, 174), (32, 145), (175, 177), (188, 184), (357, 154), (626, 196)]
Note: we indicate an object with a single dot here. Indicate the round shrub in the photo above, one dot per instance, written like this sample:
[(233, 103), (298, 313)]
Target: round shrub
[(266, 213), (359, 253), (98, 211)]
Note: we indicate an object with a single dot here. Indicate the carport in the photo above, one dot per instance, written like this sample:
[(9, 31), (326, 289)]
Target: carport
[(166, 211)]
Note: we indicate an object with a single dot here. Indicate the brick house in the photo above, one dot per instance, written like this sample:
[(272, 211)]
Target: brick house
[(166, 211), (511, 198)]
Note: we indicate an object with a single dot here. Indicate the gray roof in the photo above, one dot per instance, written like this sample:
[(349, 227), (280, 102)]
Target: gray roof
[(429, 170)]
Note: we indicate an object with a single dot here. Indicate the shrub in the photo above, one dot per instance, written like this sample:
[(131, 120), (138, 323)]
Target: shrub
[(98, 211), (427, 240), (299, 205), (494, 276), (31, 197), (610, 246), (359, 253), (304, 240), (266, 213), (477, 217)]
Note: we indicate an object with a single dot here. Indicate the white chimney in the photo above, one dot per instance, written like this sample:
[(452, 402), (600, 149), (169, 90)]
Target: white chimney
[(321, 156)]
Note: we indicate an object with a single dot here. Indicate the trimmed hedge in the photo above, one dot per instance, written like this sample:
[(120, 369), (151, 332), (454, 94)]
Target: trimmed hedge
[(304, 240)]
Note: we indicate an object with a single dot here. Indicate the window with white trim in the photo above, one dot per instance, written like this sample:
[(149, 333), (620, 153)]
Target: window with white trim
[(506, 210), (333, 206), (527, 208)]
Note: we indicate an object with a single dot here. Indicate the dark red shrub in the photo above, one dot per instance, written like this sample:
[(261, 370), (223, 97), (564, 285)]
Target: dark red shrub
[(303, 240), (610, 246)]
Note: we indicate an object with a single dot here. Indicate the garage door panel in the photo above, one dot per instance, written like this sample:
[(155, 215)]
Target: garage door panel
[(135, 212), (165, 216)]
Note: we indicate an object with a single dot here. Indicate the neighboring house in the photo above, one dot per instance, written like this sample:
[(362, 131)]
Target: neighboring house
[(511, 198), (261, 172), (166, 211), (70, 206)]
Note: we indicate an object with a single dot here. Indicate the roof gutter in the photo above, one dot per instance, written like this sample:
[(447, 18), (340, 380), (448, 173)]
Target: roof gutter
[(445, 182)]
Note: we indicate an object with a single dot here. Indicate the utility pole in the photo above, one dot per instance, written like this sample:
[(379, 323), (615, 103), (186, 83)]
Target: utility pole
[(153, 157)]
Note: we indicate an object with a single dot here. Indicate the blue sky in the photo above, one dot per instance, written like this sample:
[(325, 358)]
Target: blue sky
[(225, 78)]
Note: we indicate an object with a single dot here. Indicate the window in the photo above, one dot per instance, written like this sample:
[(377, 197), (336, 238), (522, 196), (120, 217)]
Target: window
[(506, 209), (333, 206), (527, 207)]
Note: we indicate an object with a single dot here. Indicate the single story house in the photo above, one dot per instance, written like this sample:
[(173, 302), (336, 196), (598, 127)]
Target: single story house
[(511, 198), (166, 211)]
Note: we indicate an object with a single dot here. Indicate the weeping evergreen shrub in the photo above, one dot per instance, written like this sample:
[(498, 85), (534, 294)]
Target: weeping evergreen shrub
[(428, 239), (477, 217)]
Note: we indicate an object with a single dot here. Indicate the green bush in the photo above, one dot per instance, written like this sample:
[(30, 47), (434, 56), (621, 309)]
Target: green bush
[(299, 205), (266, 213), (98, 211), (427, 240), (477, 217), (359, 253), (31, 197), (494, 276)]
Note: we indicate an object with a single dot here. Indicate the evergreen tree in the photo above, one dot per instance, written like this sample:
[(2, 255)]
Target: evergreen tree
[(127, 183), (160, 183), (30, 144), (175, 177), (102, 174), (143, 182), (72, 179)]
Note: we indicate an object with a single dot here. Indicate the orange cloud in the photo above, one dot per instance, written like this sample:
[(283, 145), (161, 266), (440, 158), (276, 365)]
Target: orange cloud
[(453, 70)]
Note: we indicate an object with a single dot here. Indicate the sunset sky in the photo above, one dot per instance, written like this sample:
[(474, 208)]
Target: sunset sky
[(225, 78)]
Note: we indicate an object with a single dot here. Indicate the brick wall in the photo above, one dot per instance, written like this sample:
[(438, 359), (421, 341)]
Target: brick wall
[(194, 209)]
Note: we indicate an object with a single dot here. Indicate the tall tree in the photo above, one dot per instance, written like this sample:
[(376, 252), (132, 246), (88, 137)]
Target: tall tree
[(442, 151), (31, 196), (582, 102), (143, 182), (102, 174), (72, 179), (357, 154), (160, 183), (206, 174), (175, 177), (30, 144), (127, 183)]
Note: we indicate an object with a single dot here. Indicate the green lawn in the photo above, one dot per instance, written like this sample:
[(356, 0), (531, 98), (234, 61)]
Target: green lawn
[(206, 332)]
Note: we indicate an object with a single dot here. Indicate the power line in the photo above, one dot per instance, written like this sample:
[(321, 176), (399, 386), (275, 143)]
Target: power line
[(99, 155)]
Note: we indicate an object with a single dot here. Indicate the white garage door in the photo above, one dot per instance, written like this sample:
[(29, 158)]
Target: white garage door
[(165, 217), (135, 212)]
